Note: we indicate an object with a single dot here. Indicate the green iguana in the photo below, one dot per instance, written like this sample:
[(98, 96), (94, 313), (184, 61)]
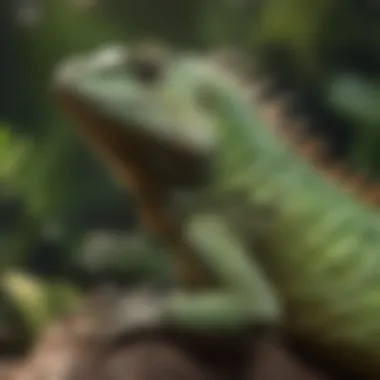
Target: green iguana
[(156, 182), (251, 197)]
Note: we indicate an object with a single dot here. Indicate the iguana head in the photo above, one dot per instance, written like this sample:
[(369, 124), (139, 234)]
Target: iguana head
[(141, 109)]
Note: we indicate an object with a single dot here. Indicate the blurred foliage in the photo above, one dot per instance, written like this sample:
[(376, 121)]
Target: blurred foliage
[(12, 152), (55, 196), (37, 300), (359, 98)]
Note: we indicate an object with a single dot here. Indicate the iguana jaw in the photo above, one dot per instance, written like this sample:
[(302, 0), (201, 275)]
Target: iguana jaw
[(151, 185), (128, 153)]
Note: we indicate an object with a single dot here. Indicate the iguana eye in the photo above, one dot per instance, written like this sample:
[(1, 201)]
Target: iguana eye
[(148, 63)]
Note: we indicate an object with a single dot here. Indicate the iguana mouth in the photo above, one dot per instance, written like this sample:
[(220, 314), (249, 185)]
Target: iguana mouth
[(296, 132), (132, 155)]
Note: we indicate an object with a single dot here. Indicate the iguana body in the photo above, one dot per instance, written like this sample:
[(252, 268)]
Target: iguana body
[(150, 184), (313, 238)]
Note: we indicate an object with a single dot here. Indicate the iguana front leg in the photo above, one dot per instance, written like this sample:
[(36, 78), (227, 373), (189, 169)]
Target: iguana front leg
[(244, 297)]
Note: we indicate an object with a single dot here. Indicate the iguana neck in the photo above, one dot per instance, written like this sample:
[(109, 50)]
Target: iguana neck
[(242, 123), (244, 139)]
